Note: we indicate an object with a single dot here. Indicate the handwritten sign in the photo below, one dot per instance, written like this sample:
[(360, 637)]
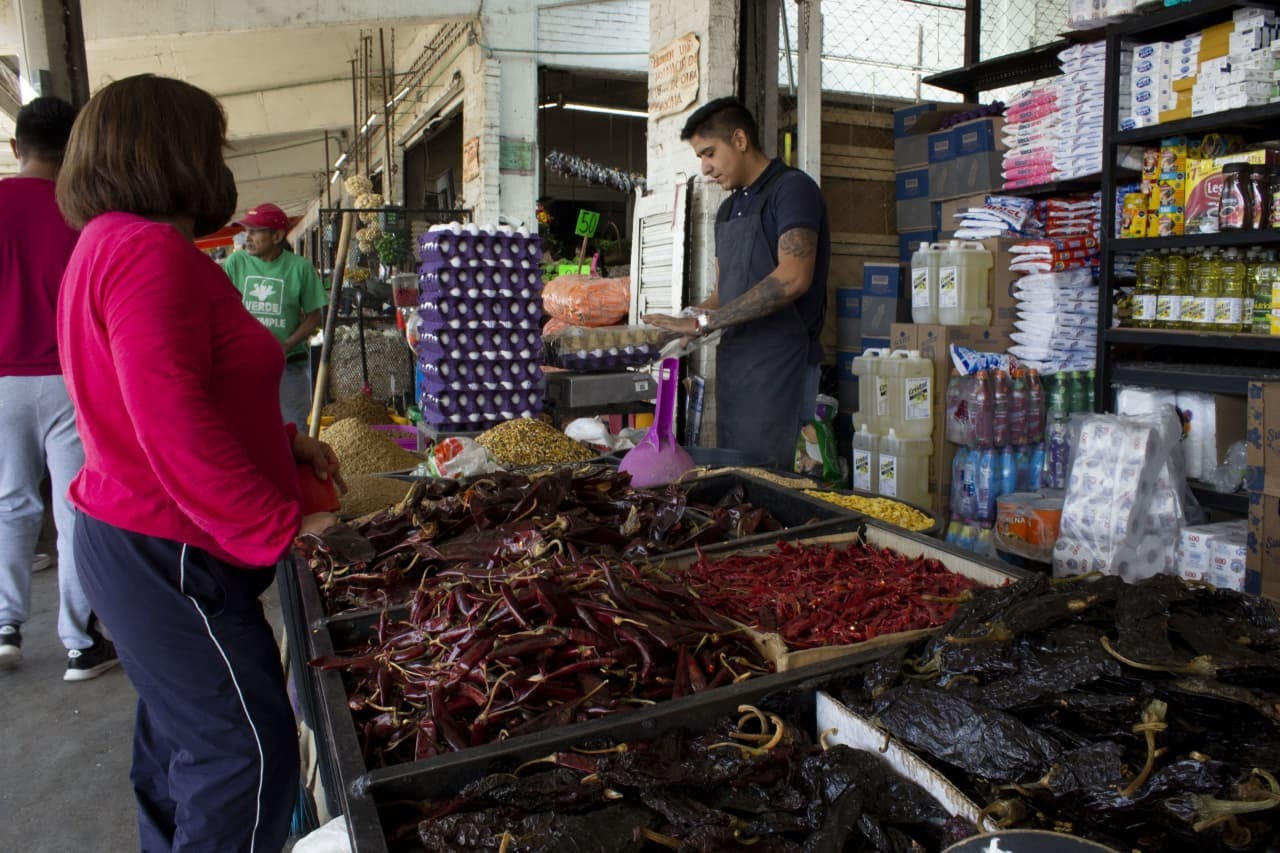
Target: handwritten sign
[(588, 222), (673, 76), (471, 159)]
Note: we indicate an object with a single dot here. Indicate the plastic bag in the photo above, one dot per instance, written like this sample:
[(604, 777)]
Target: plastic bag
[(456, 457), (586, 301), (1229, 476)]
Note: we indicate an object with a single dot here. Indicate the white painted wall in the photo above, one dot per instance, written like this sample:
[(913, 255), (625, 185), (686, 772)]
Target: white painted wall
[(616, 32)]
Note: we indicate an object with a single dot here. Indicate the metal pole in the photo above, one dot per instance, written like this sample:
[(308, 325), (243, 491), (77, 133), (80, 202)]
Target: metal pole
[(386, 121), (355, 120), (328, 184), (330, 322)]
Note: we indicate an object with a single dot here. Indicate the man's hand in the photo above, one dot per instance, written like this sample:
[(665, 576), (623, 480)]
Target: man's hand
[(321, 458), (684, 326)]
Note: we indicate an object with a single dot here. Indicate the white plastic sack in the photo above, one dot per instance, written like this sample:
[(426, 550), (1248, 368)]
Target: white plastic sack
[(330, 838)]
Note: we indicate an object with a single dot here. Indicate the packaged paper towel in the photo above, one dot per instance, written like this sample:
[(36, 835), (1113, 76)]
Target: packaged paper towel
[(1122, 513)]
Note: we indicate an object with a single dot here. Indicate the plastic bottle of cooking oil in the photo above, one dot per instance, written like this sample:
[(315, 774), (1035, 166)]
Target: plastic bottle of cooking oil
[(1262, 291), (1146, 292), (1205, 273), (1173, 288), (1229, 308)]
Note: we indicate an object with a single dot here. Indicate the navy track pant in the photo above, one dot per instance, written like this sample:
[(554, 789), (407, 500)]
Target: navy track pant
[(215, 749)]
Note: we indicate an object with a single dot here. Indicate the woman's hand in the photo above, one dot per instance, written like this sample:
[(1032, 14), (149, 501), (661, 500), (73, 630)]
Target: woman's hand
[(321, 458)]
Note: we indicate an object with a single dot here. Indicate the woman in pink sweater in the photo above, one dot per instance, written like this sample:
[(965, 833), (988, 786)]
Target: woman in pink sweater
[(188, 496)]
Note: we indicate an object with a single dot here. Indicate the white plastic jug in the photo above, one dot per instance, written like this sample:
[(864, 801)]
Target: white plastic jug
[(904, 468), (964, 284), (924, 282), (866, 459), (910, 386), (873, 394)]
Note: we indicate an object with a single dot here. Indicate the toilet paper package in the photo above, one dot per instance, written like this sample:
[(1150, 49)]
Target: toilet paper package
[(1122, 513)]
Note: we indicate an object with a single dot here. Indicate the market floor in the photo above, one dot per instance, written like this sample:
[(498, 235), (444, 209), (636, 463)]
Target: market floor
[(65, 748)]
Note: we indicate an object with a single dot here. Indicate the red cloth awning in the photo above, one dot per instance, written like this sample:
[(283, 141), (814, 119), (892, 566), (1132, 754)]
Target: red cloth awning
[(224, 236)]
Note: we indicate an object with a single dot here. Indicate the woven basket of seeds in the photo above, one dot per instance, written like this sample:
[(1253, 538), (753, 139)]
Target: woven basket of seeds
[(389, 357)]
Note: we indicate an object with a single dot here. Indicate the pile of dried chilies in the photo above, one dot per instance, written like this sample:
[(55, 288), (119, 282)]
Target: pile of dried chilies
[(501, 518), (1141, 716), (824, 596), (757, 784), (485, 655)]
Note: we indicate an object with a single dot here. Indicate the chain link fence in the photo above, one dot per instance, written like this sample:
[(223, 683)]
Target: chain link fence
[(885, 48)]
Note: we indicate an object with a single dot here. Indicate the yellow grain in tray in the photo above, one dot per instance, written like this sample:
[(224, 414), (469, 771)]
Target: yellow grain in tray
[(884, 509)]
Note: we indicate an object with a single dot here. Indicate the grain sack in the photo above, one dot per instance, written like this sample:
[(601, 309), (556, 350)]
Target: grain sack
[(367, 493), (360, 406), (364, 450), (387, 353)]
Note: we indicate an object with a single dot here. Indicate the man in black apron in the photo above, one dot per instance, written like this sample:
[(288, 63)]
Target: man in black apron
[(773, 249)]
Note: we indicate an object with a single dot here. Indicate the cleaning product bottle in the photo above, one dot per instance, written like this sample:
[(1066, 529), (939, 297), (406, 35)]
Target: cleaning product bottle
[(1035, 406), (867, 367), (1228, 315), (910, 387), (924, 282), (964, 284), (980, 410), (866, 460), (1018, 408), (904, 467), (999, 408), (1147, 291)]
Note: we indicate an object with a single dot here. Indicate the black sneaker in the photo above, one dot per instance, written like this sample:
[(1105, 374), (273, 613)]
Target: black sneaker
[(83, 664), (10, 646)]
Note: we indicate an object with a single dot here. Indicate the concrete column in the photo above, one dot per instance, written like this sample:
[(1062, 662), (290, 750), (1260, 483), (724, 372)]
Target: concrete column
[(51, 58), (809, 87), (515, 28)]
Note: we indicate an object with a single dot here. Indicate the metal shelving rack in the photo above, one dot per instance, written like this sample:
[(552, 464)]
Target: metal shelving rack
[(1174, 359)]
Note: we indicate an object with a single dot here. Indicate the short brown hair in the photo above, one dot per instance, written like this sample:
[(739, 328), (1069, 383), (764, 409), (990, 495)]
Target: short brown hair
[(147, 145)]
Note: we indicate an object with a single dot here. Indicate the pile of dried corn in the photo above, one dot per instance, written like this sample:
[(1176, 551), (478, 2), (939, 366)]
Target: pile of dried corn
[(366, 494), (364, 450), (360, 406), (884, 509), (529, 442)]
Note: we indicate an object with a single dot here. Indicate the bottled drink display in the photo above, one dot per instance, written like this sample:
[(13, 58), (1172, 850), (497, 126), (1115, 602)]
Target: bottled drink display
[(1229, 308), (1146, 292), (1206, 290), (1000, 408)]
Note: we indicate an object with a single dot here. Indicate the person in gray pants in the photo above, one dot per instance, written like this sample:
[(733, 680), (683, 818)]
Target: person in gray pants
[(37, 420)]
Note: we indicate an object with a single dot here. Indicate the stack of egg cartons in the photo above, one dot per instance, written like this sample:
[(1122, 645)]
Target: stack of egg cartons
[(480, 342)]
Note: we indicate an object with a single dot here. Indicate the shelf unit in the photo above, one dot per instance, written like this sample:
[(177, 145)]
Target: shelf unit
[(1175, 359)]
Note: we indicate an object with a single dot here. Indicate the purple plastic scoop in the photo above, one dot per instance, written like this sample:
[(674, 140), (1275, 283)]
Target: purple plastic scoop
[(658, 459)]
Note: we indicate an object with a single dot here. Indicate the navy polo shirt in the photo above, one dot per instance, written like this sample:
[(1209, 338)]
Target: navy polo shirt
[(795, 201)]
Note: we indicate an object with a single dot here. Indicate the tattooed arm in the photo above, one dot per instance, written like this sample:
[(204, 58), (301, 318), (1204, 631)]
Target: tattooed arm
[(797, 251)]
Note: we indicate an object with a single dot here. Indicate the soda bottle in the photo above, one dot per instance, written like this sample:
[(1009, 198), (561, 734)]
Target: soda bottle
[(1018, 408), (1035, 468), (1228, 315), (953, 532), (1008, 472), (985, 546), (1261, 316), (1147, 291), (1173, 287), (1079, 394), (999, 408), (958, 485), (1035, 406), (980, 410), (1090, 391), (956, 415), (1027, 479), (985, 499)]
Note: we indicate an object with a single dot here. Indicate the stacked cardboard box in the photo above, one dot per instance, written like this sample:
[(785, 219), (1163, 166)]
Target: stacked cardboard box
[(917, 216), (1263, 477)]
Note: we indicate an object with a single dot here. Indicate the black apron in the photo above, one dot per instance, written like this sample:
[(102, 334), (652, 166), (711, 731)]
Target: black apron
[(760, 365)]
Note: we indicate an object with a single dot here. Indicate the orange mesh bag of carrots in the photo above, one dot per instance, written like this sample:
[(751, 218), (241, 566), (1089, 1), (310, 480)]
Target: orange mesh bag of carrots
[(585, 301), (555, 326)]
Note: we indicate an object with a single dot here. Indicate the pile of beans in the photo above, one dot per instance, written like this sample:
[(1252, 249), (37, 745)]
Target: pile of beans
[(882, 508), (364, 450), (529, 442), (360, 406)]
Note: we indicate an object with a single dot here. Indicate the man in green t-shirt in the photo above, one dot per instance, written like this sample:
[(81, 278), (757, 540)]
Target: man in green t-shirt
[(283, 291)]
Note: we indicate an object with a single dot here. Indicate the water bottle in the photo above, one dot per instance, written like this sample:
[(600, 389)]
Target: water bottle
[(958, 485), (1090, 393), (999, 408), (980, 410), (984, 546), (985, 499), (1008, 472), (1025, 475), (1035, 465), (1018, 409), (953, 532), (1035, 407)]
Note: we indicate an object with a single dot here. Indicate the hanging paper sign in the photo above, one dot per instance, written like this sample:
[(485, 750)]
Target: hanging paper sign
[(673, 76)]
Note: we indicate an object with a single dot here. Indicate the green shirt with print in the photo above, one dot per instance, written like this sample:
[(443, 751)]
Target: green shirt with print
[(277, 292)]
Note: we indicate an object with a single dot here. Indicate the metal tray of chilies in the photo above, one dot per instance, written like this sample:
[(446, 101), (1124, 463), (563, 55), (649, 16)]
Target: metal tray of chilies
[(444, 776)]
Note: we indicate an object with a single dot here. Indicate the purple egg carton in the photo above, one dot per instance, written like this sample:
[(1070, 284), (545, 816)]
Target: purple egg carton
[(436, 279), (458, 245), (510, 374), (475, 403), (633, 355), (498, 314), (457, 343)]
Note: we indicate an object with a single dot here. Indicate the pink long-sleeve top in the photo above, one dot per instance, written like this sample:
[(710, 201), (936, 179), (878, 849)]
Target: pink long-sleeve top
[(176, 389)]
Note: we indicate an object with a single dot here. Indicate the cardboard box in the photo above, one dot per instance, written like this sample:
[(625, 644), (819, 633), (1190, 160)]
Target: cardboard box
[(904, 336), (883, 279), (1262, 563), (879, 313), (874, 343), (916, 214), (913, 184), (1262, 434), (849, 301), (910, 152), (942, 147), (967, 175), (978, 136), (947, 210), (909, 241)]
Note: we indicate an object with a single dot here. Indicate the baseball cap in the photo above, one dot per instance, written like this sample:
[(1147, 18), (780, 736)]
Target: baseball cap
[(265, 216)]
